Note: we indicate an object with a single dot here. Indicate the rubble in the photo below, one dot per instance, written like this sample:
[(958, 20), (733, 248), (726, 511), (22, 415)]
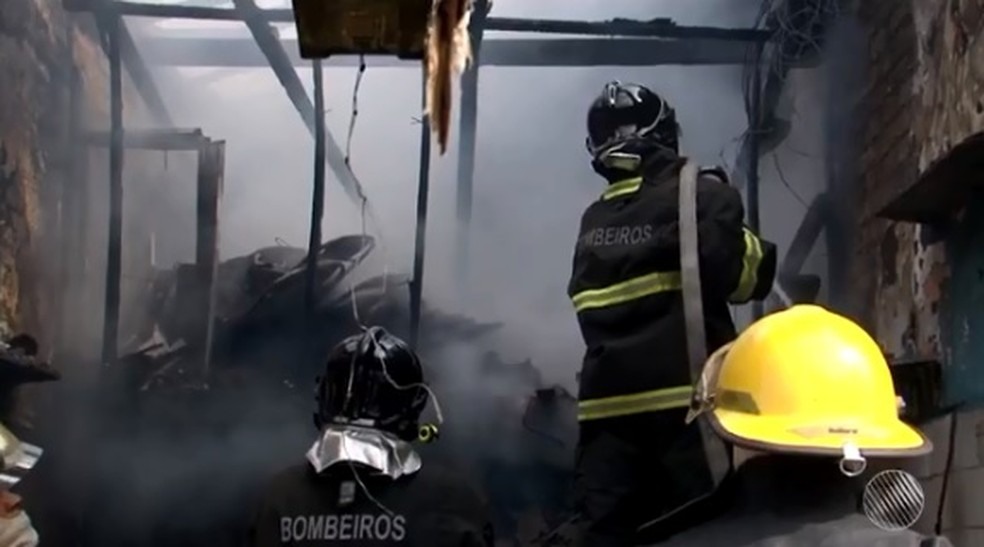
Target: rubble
[(512, 430)]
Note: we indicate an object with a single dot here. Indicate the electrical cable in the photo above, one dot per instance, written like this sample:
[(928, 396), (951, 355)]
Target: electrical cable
[(379, 352), (947, 467), (795, 33), (782, 178), (372, 332), (366, 210)]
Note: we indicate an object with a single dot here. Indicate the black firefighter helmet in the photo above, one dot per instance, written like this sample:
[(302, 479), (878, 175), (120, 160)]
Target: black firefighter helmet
[(628, 121), (372, 379)]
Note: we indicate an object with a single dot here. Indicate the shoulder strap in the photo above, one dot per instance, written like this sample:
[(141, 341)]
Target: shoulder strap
[(690, 268), (715, 451)]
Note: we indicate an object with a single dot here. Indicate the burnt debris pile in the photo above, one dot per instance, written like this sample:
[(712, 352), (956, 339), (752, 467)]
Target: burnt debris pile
[(186, 446)]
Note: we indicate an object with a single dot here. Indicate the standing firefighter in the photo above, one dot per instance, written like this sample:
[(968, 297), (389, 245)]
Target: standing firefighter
[(363, 483), (635, 449), (810, 393)]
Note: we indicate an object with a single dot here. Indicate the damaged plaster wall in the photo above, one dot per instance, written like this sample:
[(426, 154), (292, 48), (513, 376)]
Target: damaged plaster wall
[(38, 49), (925, 287), (928, 83), (32, 44), (53, 231), (925, 70)]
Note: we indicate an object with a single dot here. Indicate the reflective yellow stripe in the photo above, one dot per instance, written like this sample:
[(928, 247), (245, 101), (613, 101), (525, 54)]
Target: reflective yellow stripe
[(626, 291), (637, 403), (749, 268), (622, 188)]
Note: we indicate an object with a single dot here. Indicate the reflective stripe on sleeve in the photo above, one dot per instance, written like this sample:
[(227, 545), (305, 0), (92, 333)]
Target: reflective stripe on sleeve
[(750, 263), (627, 291), (637, 403)]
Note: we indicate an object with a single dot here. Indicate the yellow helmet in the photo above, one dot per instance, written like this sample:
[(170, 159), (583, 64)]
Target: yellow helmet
[(805, 380)]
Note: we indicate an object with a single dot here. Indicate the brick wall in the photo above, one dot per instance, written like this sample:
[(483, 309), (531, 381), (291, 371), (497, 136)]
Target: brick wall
[(888, 155), (925, 76)]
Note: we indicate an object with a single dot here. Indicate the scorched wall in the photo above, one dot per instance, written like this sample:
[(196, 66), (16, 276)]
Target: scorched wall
[(922, 286)]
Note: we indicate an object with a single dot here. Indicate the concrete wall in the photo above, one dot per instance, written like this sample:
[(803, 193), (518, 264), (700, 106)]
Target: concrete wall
[(924, 288)]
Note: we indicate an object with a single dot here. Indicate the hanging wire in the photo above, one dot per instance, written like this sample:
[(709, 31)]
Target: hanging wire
[(367, 214), (372, 332), (785, 182), (795, 29)]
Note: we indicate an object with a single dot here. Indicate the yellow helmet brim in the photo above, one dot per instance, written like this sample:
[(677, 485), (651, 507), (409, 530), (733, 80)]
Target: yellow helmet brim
[(792, 435)]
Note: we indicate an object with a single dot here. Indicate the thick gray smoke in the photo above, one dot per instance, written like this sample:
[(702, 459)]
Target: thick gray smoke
[(532, 182), (532, 176)]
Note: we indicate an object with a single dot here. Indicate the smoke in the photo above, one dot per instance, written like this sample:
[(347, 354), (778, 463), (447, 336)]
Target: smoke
[(532, 182), (532, 178)]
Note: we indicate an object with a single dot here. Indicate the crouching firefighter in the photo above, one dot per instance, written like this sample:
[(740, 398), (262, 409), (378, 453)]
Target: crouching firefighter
[(810, 394), (363, 482), (634, 448)]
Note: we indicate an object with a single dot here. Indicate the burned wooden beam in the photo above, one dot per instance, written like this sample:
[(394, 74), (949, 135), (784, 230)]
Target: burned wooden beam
[(114, 246), (752, 177), (420, 232), (657, 28), (796, 286), (211, 168), (562, 52), (943, 188), (468, 131), (143, 81), (277, 58), (806, 236), (141, 77), (153, 139), (317, 206), (663, 28)]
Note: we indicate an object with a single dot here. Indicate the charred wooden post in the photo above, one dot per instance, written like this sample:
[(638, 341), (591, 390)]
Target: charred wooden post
[(195, 285), (211, 166), (106, 13), (141, 77), (111, 319), (797, 286), (505, 52), (420, 241), (468, 129), (752, 184), (805, 237), (75, 222), (190, 140), (317, 201)]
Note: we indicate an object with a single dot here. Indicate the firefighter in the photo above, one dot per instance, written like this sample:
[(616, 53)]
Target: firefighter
[(19, 365), (626, 289), (811, 395), (363, 482)]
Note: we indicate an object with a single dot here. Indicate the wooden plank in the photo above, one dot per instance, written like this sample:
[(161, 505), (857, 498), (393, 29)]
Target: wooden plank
[(561, 52)]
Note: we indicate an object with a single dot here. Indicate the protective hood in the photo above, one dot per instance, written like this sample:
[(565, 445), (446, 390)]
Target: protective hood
[(376, 449), (16, 531)]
